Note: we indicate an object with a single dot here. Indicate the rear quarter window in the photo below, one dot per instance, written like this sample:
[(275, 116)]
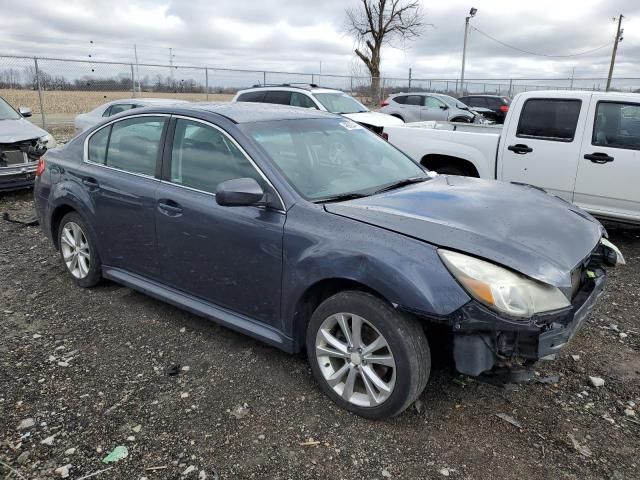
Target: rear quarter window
[(549, 119)]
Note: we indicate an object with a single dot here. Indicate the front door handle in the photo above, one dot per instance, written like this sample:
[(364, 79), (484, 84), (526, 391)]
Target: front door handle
[(599, 157), (170, 208), (520, 148)]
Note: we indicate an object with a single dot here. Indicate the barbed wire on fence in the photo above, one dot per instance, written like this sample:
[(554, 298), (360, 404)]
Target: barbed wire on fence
[(57, 89)]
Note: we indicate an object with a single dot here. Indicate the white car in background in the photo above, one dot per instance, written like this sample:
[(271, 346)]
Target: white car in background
[(86, 120), (324, 99)]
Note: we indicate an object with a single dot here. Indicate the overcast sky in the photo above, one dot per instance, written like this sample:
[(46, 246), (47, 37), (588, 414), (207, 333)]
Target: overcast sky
[(295, 35)]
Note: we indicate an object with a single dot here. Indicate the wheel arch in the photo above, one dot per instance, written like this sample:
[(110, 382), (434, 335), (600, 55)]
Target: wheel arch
[(433, 161), (318, 292)]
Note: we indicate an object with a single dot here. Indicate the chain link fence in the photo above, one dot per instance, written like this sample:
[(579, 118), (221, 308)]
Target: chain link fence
[(59, 89)]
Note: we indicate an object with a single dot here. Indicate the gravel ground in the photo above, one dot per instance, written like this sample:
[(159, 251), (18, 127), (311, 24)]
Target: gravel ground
[(84, 371)]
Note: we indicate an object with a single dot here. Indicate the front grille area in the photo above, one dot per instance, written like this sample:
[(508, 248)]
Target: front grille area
[(576, 281), (12, 157)]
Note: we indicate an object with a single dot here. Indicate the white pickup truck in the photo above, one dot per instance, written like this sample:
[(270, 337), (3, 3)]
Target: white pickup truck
[(581, 146)]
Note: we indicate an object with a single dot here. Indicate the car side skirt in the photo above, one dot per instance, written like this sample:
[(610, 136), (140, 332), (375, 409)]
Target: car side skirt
[(222, 316)]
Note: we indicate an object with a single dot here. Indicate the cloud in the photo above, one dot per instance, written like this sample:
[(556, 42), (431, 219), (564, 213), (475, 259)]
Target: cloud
[(296, 35)]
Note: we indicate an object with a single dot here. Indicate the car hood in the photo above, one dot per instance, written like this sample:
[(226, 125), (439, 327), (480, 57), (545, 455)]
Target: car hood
[(519, 227), (12, 131), (375, 119)]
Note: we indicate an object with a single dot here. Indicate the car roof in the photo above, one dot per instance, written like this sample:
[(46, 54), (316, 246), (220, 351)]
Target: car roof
[(483, 95), (249, 112), (149, 101), (288, 87)]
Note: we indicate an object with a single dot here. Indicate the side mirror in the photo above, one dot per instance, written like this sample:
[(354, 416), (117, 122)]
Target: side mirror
[(239, 192), (25, 111), (444, 107)]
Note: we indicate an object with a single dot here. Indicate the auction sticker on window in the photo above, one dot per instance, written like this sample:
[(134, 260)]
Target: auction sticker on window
[(350, 125)]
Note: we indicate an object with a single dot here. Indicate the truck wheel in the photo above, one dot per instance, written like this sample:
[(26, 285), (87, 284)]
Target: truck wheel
[(78, 251), (367, 357)]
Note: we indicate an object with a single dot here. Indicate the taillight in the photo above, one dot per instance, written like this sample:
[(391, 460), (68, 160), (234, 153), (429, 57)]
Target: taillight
[(384, 103), (40, 167), (504, 108)]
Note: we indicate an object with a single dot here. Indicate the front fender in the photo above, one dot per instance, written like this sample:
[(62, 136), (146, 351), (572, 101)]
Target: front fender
[(407, 272)]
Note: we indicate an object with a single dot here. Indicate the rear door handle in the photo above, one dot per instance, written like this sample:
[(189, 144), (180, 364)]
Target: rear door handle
[(90, 182), (170, 208), (599, 157), (520, 148)]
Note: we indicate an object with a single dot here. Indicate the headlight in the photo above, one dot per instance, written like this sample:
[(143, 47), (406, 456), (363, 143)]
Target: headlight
[(502, 289), (49, 141), (617, 254)]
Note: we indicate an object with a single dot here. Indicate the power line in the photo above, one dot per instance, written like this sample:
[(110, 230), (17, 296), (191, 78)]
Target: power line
[(539, 54)]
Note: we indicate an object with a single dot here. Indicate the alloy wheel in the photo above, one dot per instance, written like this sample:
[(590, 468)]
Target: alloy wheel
[(355, 359), (75, 250)]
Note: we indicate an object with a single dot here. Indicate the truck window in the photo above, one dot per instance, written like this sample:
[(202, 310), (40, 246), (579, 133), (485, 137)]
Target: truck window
[(617, 125), (549, 119), (251, 96)]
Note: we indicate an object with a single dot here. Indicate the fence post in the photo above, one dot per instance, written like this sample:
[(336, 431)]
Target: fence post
[(133, 82), (206, 83), (510, 87), (44, 124), (264, 78), (313, 78), (409, 80), (351, 83)]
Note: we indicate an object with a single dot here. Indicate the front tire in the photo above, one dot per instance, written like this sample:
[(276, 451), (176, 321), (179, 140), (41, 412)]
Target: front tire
[(367, 357), (78, 251)]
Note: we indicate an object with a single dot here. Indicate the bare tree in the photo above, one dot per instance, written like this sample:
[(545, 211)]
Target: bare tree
[(375, 23)]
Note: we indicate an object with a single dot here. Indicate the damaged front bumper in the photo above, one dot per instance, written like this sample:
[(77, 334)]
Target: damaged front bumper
[(483, 339), (17, 177)]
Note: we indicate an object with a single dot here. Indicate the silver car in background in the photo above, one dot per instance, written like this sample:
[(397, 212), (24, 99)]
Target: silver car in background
[(84, 121), (423, 106)]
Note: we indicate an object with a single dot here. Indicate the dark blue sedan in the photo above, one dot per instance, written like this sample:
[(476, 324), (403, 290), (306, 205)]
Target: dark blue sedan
[(307, 231)]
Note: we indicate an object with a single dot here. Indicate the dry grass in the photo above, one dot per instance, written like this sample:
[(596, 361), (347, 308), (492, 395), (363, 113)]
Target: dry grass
[(64, 102)]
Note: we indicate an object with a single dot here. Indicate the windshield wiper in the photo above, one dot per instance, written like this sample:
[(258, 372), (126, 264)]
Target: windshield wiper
[(401, 183), (340, 197)]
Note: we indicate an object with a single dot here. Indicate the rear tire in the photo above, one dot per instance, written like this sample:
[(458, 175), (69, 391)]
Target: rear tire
[(376, 370), (78, 251)]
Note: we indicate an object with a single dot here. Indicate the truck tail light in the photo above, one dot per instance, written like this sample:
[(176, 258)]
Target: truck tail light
[(383, 103), (40, 167), (504, 108)]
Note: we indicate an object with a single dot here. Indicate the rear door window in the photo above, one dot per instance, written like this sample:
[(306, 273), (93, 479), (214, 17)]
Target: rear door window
[(134, 144), (549, 119), (278, 97), (414, 100), (478, 102), (251, 97), (617, 125), (402, 99)]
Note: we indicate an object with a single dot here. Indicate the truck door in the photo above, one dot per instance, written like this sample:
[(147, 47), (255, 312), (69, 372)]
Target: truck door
[(609, 161), (540, 147)]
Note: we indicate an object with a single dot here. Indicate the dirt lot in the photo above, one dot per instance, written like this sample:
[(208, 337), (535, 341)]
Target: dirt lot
[(84, 372)]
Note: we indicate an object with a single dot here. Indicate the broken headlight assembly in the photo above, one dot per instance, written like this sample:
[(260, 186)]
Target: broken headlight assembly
[(612, 254), (501, 289), (48, 141)]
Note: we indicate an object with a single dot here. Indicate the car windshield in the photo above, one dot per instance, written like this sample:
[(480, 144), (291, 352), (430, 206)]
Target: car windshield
[(332, 159), (452, 102), (6, 112), (340, 103)]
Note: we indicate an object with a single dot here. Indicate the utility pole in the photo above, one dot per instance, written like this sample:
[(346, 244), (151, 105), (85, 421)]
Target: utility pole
[(171, 64), (615, 51), (135, 53), (472, 13), (573, 72)]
